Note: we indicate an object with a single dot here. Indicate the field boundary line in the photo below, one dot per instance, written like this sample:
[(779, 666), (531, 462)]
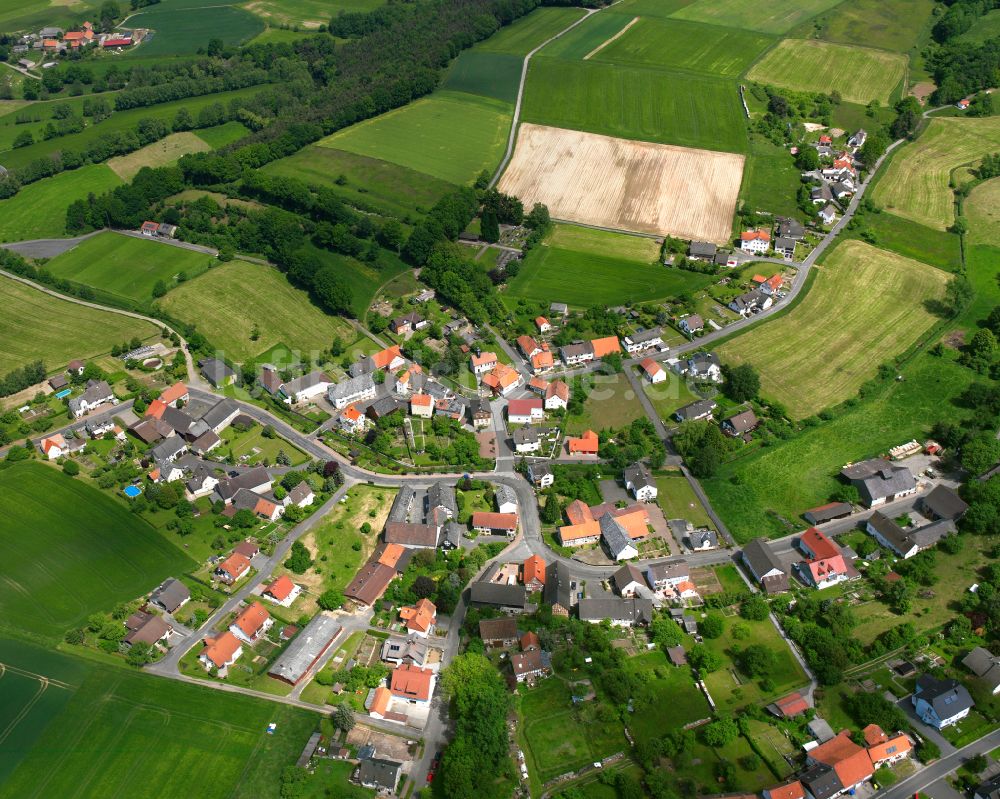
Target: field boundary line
[(516, 118), (610, 39)]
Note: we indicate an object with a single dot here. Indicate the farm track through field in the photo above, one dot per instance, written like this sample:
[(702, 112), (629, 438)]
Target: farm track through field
[(608, 41)]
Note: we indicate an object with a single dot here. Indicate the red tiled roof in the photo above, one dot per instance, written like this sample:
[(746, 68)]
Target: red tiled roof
[(422, 400), (384, 358), (792, 790), (380, 701), (651, 367), (753, 235), (523, 407), (534, 570), (605, 346), (792, 705), (821, 546), (850, 761), (558, 388), (252, 619), (542, 360), (892, 747), (588, 443), (391, 554), (484, 358), (156, 408), (541, 321), (236, 565), (220, 650), (527, 344), (494, 521), (171, 394), (419, 617), (411, 682), (281, 588)]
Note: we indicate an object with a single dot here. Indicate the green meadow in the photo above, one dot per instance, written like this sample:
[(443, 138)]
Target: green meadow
[(778, 16)]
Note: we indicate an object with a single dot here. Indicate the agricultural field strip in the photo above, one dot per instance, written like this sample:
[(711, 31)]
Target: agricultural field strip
[(606, 42), (777, 16), (982, 208)]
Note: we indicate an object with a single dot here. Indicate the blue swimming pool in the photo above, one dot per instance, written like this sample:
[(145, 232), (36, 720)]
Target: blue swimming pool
[(64, 393), (132, 491)]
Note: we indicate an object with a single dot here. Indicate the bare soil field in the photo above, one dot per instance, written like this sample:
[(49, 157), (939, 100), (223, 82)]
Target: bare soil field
[(626, 185)]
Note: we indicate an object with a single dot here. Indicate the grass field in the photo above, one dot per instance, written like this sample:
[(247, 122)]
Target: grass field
[(364, 280), (485, 73), (770, 179), (126, 266), (27, 704), (582, 279), (779, 16), (602, 242), (935, 247), (586, 36), (611, 403), (221, 135), (206, 743), (678, 500), (229, 300), (916, 183), (675, 689), (119, 121), (85, 553), (393, 189), (164, 152), (650, 8), (35, 325), (987, 27), (982, 208), (253, 444), (634, 103), (184, 33), (452, 136), (866, 306), (38, 210), (886, 24), (860, 73), (526, 33), (678, 45), (309, 14)]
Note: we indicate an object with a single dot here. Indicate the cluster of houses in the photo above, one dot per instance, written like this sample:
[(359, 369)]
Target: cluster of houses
[(528, 661), (836, 180), (52, 40), (158, 230), (759, 241)]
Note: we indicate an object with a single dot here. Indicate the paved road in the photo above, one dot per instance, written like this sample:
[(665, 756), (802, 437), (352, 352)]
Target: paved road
[(905, 789), (183, 245), (46, 248)]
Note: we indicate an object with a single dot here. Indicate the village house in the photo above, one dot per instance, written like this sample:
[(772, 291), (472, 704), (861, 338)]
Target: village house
[(557, 396), (940, 703), (253, 623), (695, 411), (146, 628), (96, 393), (827, 214), (525, 411), (533, 573), (422, 405), (282, 591), (483, 363), (639, 481), (756, 241), (543, 324), (419, 618), (412, 684), (495, 523), (404, 325), (668, 575), (577, 353), (216, 372), (825, 564), (352, 421), (692, 324), (702, 250), (542, 361), (704, 366), (530, 665), (700, 540), (502, 379), (644, 340), (587, 444), (379, 774), (628, 581), (621, 612), (480, 414), (221, 652), (848, 762), (170, 595), (616, 539), (740, 424), (411, 650), (528, 346), (498, 633), (233, 569), (541, 475), (388, 360), (505, 498), (751, 302), (765, 566), (354, 389), (986, 666), (653, 371), (526, 440)]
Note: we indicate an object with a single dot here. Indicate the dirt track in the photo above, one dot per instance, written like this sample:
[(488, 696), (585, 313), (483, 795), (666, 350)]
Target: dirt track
[(626, 185)]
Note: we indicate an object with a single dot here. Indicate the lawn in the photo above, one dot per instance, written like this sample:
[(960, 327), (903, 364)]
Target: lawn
[(610, 403), (687, 46), (38, 210), (779, 16), (486, 73), (669, 395), (906, 237), (604, 243), (228, 301), (85, 552), (525, 34), (729, 687), (886, 24), (636, 103), (586, 37), (668, 686), (755, 493), (257, 448), (770, 180), (452, 136), (126, 266), (34, 325), (27, 704), (582, 279), (865, 307), (678, 501), (982, 208), (221, 135), (165, 152), (118, 122), (861, 73), (916, 184), (563, 737), (185, 33), (368, 183), (206, 743), (985, 28)]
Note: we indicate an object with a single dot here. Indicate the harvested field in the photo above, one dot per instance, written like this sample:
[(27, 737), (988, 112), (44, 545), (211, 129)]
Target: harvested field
[(866, 306), (916, 184), (861, 73), (160, 153), (626, 185)]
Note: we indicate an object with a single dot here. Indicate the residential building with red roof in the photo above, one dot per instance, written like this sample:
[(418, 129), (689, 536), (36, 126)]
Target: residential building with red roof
[(789, 706), (53, 446), (422, 405), (885, 750), (502, 379), (543, 324), (655, 373), (411, 683), (528, 346), (539, 385), (379, 704), (155, 409), (483, 362), (233, 568), (542, 361), (252, 623), (825, 564), (525, 411), (420, 618), (557, 395), (351, 420), (850, 762), (790, 790), (282, 591), (533, 573), (758, 241), (587, 444), (608, 345), (221, 652), (495, 523), (390, 359), (172, 394)]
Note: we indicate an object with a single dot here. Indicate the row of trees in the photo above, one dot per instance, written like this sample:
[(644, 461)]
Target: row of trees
[(22, 378)]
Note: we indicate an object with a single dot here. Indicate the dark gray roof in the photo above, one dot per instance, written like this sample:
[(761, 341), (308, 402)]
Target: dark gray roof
[(379, 772), (821, 192), (384, 406), (703, 361), (525, 435), (947, 697), (411, 534), (501, 596), (258, 476), (96, 391), (944, 503), (825, 513), (504, 493), (539, 470), (638, 475), (170, 595), (930, 534), (646, 335), (673, 569), (571, 351), (442, 495), (784, 243), (694, 410), (452, 534), (761, 559), (616, 608), (894, 535), (218, 413), (702, 249), (168, 449), (615, 538), (821, 781), (989, 789), (625, 575), (215, 370), (557, 585), (703, 538), (790, 228), (878, 478), (399, 512)]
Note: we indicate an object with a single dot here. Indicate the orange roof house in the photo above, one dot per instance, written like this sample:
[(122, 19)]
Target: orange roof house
[(605, 346), (386, 359), (789, 706), (651, 368), (530, 640), (484, 360), (351, 414), (252, 621), (421, 401), (874, 735), (578, 512), (490, 521), (527, 345), (587, 444), (890, 750), (380, 702), (222, 650), (233, 567), (54, 445), (501, 379), (420, 617), (281, 588), (156, 408), (412, 683), (850, 761), (791, 790), (538, 384), (542, 360), (755, 235), (391, 554), (170, 395), (533, 571), (542, 324)]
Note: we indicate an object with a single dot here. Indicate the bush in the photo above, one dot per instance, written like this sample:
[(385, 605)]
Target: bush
[(71, 468), (331, 599), (298, 560), (711, 626)]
